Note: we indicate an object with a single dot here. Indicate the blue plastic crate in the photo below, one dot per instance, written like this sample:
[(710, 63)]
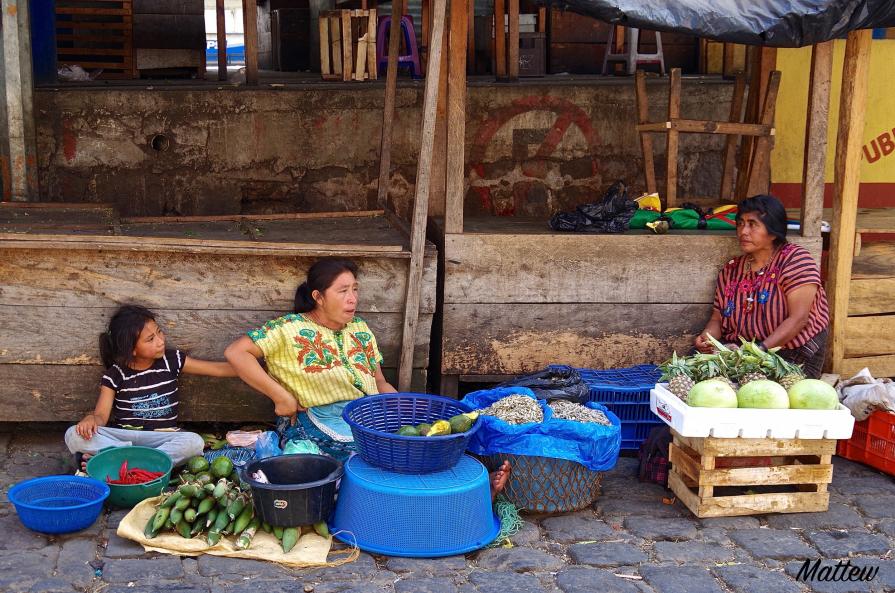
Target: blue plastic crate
[(625, 392), (634, 433)]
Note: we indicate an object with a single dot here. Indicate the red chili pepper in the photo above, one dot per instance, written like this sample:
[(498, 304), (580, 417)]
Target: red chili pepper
[(122, 472)]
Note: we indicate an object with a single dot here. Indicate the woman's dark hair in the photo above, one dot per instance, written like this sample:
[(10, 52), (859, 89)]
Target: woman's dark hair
[(320, 277), (771, 213), (116, 345)]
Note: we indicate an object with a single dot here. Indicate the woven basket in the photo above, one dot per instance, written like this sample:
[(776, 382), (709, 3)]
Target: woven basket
[(546, 484)]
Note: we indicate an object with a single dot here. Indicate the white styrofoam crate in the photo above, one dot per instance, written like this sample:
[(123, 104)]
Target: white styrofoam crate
[(749, 423)]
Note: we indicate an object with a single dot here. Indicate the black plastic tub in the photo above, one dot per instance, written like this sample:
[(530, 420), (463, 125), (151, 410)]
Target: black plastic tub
[(302, 488)]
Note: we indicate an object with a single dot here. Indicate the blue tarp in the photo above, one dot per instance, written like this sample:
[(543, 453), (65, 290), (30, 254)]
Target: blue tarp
[(778, 23), (593, 445)]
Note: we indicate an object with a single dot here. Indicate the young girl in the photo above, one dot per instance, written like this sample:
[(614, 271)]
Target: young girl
[(138, 402)]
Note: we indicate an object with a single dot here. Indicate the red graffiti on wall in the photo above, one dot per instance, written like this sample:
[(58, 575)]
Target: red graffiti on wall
[(567, 114), (882, 145)]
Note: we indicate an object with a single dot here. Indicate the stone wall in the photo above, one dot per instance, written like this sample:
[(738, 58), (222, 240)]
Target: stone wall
[(532, 148)]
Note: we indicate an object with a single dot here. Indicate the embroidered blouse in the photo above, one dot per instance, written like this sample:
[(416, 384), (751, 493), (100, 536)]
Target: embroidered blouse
[(316, 364), (753, 304)]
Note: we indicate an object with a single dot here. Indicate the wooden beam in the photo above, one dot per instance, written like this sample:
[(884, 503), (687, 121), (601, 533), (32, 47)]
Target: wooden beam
[(222, 40), (470, 37), (759, 182), (17, 78), (437, 181), (730, 144), (500, 40), (388, 110), (847, 181), (702, 126), (513, 42), (870, 335), (674, 112), (456, 118), (760, 62), (814, 167), (250, 34), (347, 53), (646, 141), (421, 200)]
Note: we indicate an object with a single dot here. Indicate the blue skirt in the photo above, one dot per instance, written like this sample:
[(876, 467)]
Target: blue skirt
[(304, 430)]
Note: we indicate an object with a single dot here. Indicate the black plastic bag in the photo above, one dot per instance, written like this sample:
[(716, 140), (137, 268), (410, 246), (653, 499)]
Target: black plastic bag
[(553, 383), (612, 214)]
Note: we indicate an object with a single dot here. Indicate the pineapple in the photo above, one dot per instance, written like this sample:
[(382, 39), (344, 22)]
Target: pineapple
[(791, 374), (679, 375), (753, 376)]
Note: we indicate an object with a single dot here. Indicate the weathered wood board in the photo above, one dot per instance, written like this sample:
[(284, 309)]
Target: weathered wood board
[(517, 301), (64, 393), (201, 333), (171, 280), (870, 335), (581, 268), (507, 339)]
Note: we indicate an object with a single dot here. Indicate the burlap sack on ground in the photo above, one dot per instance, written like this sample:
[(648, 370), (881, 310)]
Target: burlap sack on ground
[(311, 549)]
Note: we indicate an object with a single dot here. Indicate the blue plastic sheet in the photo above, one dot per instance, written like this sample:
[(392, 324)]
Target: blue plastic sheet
[(593, 445)]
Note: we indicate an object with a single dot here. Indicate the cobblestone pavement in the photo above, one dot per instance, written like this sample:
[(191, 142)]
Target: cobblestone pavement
[(628, 542)]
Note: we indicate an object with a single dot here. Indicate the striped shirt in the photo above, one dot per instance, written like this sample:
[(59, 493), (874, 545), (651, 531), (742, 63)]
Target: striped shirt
[(318, 365), (146, 400), (753, 304)]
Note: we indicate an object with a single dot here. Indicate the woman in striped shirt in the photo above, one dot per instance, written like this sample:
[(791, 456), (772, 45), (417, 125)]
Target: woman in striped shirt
[(772, 293)]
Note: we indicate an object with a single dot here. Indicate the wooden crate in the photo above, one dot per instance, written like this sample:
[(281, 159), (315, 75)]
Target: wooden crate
[(729, 477), (348, 44), (96, 34)]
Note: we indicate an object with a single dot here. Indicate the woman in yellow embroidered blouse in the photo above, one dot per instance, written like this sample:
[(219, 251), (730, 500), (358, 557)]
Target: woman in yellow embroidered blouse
[(318, 359)]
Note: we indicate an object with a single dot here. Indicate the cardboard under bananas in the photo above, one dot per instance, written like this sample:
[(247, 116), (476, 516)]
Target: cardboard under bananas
[(311, 549)]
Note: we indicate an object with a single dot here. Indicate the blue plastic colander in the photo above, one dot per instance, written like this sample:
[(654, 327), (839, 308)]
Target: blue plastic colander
[(58, 504), (427, 515)]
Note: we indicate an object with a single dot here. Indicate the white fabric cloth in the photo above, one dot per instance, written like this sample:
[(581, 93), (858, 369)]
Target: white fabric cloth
[(862, 394)]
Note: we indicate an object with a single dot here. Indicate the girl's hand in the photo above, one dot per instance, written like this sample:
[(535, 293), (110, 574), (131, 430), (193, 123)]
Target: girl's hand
[(87, 427)]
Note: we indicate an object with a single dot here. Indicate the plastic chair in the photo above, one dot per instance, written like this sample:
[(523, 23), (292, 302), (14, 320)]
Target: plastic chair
[(631, 55), (411, 58)]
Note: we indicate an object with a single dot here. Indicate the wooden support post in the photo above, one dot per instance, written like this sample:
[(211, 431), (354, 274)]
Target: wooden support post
[(456, 118), (674, 112), (250, 34), (222, 39), (646, 139), (388, 111), (17, 74), (542, 19), (421, 200), (727, 60), (761, 158), (730, 146), (852, 104), (426, 17), (470, 37), (500, 40), (437, 180), (813, 176), (762, 60), (513, 41)]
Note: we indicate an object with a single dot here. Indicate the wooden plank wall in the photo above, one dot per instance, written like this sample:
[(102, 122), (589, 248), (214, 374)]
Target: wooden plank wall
[(871, 312), (54, 303), (515, 303)]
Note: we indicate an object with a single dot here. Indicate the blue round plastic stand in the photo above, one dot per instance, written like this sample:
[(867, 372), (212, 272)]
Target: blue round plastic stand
[(418, 516)]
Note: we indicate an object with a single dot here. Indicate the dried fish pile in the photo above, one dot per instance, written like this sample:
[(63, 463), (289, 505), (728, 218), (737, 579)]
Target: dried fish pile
[(566, 410), (515, 409)]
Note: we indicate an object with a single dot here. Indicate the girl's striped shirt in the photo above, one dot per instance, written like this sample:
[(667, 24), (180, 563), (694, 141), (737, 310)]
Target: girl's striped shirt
[(146, 400), (753, 304)]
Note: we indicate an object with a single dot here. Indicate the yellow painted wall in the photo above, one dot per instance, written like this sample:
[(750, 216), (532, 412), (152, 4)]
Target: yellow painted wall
[(795, 65)]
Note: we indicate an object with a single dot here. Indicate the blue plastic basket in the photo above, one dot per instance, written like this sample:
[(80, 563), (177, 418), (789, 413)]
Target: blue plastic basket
[(240, 456), (58, 504), (625, 392), (374, 420), (436, 514)]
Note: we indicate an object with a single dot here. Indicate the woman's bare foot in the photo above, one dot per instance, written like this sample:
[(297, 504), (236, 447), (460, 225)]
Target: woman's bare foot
[(499, 479)]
